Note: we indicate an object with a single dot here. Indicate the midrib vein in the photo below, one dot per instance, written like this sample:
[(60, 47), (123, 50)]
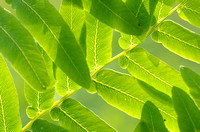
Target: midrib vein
[(191, 9), (3, 114), (139, 8), (178, 39), (73, 119), (71, 16), (148, 71), (95, 44), (159, 13), (122, 92), (53, 36), (22, 54)]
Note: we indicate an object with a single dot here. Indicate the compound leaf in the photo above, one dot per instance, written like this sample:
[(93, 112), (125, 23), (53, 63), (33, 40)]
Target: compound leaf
[(55, 37), (9, 105), (151, 70), (178, 40), (187, 111), (152, 119), (129, 95), (75, 117), (115, 14), (19, 48), (190, 12), (192, 80), (45, 126)]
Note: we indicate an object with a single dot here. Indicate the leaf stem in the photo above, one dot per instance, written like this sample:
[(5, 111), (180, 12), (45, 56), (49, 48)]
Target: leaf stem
[(100, 67)]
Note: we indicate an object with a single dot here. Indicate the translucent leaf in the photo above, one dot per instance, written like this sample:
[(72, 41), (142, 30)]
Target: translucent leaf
[(39, 100), (115, 14), (187, 111), (153, 71), (75, 117), (19, 48), (9, 105), (144, 11), (192, 80), (74, 15), (163, 7), (129, 95), (178, 40), (55, 37), (190, 12), (64, 84), (45, 126), (99, 39), (152, 119)]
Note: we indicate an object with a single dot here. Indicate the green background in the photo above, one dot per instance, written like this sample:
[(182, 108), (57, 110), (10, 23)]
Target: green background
[(119, 120)]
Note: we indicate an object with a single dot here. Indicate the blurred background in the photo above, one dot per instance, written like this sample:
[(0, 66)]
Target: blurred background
[(119, 120)]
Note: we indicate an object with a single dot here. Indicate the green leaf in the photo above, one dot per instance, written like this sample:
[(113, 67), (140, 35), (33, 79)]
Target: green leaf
[(9, 105), (99, 39), (39, 100), (152, 118), (178, 40), (115, 14), (64, 84), (75, 117), (192, 80), (190, 12), (74, 15), (144, 11), (153, 71), (129, 95), (55, 37), (163, 7), (45, 126), (19, 48), (187, 111)]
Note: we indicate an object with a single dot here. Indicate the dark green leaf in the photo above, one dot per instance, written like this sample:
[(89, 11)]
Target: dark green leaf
[(54, 35), (75, 117), (179, 40), (45, 126), (9, 106), (187, 111), (127, 94), (151, 70), (18, 46), (192, 80), (152, 118), (115, 14)]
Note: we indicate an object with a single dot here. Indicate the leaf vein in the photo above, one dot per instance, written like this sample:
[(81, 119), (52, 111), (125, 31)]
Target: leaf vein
[(3, 114)]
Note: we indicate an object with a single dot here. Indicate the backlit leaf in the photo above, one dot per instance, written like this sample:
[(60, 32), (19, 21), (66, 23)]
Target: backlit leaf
[(55, 36), (187, 111), (19, 48), (153, 71), (75, 117), (9, 105), (129, 95), (192, 80), (178, 40)]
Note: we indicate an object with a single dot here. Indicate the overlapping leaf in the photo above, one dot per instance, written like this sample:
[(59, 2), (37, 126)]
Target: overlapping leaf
[(9, 106), (99, 39), (144, 12), (151, 70), (151, 119), (115, 14), (18, 46), (55, 36), (192, 80), (190, 12), (75, 117), (187, 111), (45, 126), (178, 40), (129, 95)]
